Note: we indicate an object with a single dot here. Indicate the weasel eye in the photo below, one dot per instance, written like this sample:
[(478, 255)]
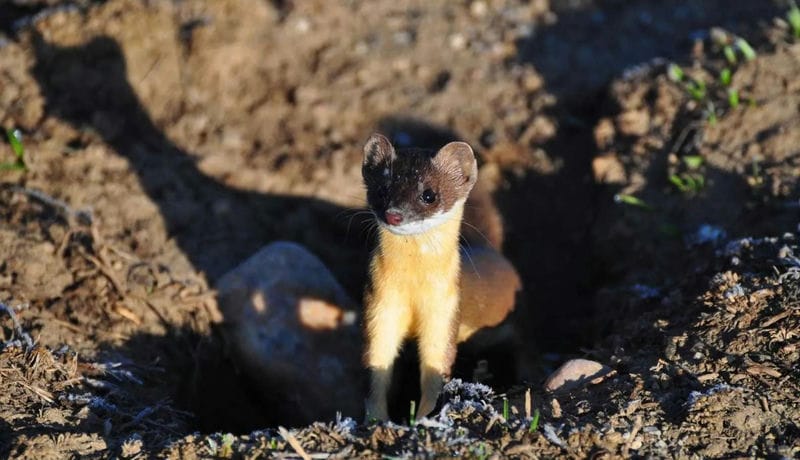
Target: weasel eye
[(428, 196)]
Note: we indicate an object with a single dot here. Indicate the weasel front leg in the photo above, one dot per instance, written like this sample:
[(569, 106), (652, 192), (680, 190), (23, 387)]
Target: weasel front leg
[(388, 323), (437, 349)]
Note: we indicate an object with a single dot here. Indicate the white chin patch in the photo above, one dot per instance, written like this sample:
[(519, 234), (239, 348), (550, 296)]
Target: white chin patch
[(421, 226)]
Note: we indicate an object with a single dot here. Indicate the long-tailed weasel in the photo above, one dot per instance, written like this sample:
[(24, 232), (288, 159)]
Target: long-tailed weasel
[(415, 287)]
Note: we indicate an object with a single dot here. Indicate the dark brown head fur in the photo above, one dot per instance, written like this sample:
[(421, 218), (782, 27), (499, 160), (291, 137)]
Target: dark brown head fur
[(416, 184)]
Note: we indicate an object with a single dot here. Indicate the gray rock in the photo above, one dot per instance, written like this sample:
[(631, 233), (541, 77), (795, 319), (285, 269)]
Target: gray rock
[(294, 331)]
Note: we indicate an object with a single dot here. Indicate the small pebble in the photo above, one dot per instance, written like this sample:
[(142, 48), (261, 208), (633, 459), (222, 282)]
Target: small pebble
[(576, 373)]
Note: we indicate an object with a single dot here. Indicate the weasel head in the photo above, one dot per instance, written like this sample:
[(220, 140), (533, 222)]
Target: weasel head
[(411, 191)]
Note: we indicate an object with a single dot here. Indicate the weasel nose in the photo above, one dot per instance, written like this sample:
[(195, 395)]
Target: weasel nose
[(393, 218)]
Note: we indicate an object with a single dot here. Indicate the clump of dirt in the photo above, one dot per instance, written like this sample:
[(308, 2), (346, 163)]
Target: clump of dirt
[(166, 142)]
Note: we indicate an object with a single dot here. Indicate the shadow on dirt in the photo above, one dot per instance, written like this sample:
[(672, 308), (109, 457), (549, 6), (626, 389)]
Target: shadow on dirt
[(214, 225), (586, 47)]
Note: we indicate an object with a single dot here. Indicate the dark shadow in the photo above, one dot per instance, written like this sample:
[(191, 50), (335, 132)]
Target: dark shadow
[(587, 46), (215, 226)]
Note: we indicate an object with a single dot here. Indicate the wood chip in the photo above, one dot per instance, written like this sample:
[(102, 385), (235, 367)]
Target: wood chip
[(528, 403), (288, 437), (760, 369), (707, 377), (555, 408), (776, 318), (127, 313), (494, 419)]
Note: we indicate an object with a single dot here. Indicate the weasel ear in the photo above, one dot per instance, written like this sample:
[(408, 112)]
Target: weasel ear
[(458, 160), (377, 150)]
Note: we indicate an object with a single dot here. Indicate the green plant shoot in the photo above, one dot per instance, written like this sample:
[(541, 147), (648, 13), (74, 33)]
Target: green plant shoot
[(631, 201), (725, 76), (733, 98), (696, 89), (15, 140), (534, 422), (412, 413), (747, 51), (675, 73), (730, 54), (693, 161), (793, 16), (505, 408)]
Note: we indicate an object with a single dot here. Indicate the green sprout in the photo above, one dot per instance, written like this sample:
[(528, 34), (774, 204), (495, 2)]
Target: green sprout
[(631, 201), (730, 54), (15, 140), (505, 408), (725, 76), (412, 413), (693, 161), (746, 49), (273, 444), (733, 97), (675, 73), (688, 183), (696, 89), (226, 449), (793, 16), (534, 422)]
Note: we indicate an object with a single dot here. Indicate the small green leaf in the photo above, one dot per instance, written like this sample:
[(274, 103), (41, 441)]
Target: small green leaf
[(631, 200), (697, 89), (693, 161), (505, 408), (15, 139), (412, 413), (747, 51), (534, 422), (733, 98), (725, 76), (793, 16), (730, 54), (675, 73), (678, 182)]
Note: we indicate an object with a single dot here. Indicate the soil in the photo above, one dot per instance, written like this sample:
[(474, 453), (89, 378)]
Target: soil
[(167, 141)]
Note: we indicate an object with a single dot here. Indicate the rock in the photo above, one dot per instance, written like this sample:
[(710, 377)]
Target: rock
[(604, 133), (608, 169), (293, 331), (634, 122), (576, 373)]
